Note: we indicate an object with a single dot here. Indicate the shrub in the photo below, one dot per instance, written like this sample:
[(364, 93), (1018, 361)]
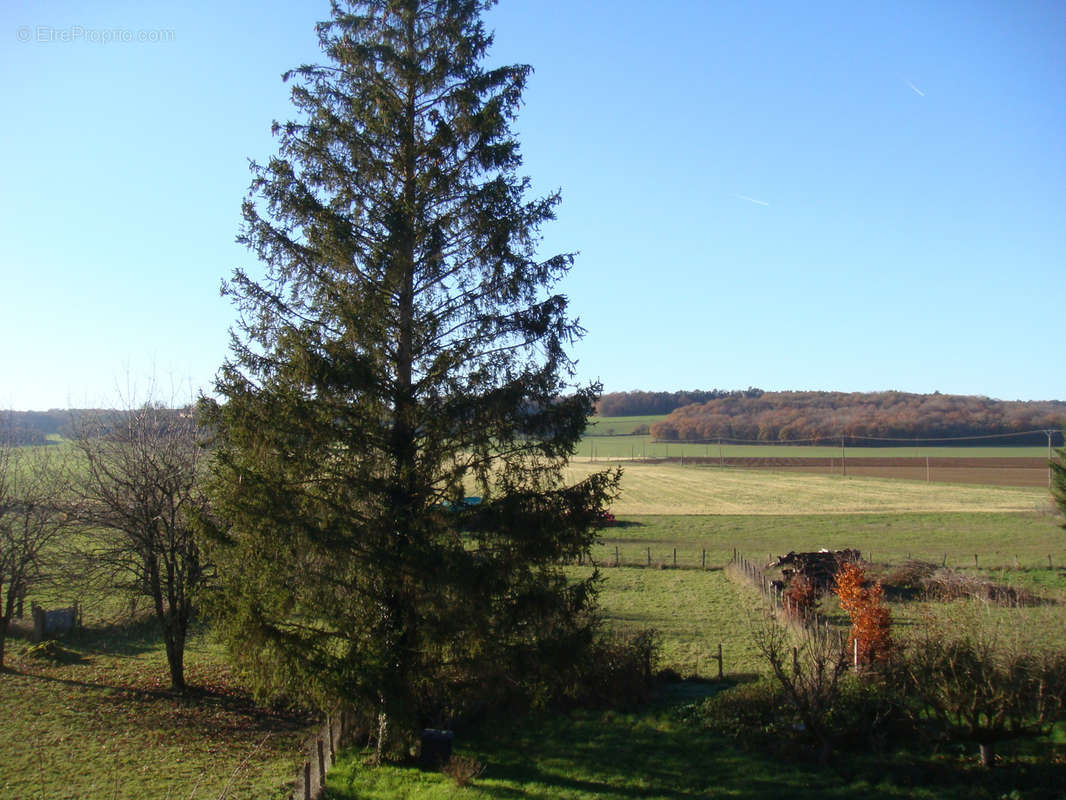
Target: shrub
[(911, 574), (813, 701), (871, 623), (981, 686), (809, 671), (749, 714), (619, 671), (800, 597), (463, 770), (947, 584)]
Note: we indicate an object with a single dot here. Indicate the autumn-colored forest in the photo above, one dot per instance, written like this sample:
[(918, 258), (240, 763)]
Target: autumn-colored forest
[(797, 416)]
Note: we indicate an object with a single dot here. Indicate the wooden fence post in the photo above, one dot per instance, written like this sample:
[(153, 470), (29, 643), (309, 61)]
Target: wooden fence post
[(321, 762), (38, 622), (719, 661), (333, 745), (649, 556), (675, 557), (307, 780)]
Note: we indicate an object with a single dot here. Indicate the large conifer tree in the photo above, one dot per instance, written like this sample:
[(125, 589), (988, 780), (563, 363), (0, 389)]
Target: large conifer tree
[(405, 348), (1058, 474)]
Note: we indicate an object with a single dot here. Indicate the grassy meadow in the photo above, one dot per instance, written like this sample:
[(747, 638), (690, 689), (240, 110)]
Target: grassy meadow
[(95, 720), (703, 514)]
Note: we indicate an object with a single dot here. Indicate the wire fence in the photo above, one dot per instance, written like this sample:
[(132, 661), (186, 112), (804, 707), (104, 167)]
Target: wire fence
[(320, 753)]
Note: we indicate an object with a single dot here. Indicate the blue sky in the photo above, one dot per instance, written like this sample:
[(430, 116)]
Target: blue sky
[(839, 196)]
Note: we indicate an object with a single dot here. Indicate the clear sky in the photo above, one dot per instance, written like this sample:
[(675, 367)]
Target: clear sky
[(791, 195)]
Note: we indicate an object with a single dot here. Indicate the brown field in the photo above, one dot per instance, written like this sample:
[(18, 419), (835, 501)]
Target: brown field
[(989, 471)]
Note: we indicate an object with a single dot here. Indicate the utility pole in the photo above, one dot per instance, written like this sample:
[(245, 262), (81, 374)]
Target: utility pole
[(843, 463)]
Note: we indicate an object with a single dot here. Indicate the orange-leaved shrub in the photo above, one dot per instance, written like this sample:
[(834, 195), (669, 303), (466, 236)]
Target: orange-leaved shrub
[(871, 623)]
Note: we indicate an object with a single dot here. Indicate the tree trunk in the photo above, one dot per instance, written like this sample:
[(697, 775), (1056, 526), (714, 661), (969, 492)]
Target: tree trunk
[(5, 621), (176, 661), (988, 756), (3, 639), (381, 750), (173, 631)]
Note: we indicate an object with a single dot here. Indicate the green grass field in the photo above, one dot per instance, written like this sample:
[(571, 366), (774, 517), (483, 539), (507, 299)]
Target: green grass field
[(703, 514), (621, 426), (1000, 540), (100, 725)]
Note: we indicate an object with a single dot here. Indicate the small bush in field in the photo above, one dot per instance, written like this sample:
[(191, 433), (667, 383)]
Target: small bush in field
[(463, 770), (619, 671), (911, 574), (946, 584), (800, 597), (871, 623)]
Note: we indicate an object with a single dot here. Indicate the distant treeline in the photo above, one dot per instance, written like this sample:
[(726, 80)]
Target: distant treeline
[(797, 416), (34, 427), (640, 404)]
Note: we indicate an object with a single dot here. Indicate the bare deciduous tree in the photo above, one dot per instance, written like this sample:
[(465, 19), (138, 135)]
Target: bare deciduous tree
[(30, 519), (984, 682), (809, 664), (137, 496)]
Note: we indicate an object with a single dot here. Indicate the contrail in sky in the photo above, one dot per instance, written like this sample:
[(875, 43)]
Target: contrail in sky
[(916, 89), (753, 200)]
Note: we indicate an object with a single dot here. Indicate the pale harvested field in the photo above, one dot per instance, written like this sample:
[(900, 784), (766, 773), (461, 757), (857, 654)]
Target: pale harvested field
[(666, 489)]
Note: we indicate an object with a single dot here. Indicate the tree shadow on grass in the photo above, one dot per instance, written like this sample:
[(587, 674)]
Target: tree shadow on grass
[(611, 756), (207, 713), (615, 756), (659, 753), (126, 637)]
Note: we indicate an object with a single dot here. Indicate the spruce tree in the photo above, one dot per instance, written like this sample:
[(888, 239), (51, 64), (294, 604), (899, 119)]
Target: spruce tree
[(405, 349)]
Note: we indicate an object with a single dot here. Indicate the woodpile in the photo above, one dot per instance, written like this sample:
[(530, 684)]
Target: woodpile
[(817, 567)]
